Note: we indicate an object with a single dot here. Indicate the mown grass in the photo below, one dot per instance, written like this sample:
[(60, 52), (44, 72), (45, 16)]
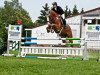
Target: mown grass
[(32, 66), (94, 54)]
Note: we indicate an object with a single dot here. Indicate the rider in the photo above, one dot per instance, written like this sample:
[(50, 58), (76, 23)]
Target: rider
[(60, 12)]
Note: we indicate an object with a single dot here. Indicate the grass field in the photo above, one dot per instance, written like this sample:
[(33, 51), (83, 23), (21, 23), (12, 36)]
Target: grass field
[(32, 66)]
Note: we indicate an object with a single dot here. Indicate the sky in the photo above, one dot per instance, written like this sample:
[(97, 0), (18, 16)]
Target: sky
[(34, 6)]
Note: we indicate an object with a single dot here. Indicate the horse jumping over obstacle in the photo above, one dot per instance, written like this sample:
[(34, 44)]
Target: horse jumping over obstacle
[(56, 26)]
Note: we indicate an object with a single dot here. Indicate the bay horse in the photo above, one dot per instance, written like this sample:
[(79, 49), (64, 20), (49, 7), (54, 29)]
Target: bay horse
[(55, 25)]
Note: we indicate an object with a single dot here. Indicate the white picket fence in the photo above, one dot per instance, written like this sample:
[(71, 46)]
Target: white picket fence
[(54, 51)]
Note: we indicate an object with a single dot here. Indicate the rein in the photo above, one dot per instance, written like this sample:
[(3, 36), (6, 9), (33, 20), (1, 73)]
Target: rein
[(59, 30)]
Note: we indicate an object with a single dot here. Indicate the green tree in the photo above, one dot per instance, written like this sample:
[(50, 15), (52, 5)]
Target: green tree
[(42, 18), (82, 10), (13, 11), (3, 32), (75, 11), (9, 14), (69, 13), (66, 11)]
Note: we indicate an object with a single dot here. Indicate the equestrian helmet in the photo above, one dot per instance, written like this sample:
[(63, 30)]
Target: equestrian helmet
[(54, 3)]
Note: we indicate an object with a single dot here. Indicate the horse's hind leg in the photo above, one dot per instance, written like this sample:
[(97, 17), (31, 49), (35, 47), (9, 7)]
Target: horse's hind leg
[(71, 41), (64, 41), (70, 36)]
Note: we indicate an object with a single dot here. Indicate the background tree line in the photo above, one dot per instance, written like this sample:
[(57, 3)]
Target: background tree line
[(42, 18)]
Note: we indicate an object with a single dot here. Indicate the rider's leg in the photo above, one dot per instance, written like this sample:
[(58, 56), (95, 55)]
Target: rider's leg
[(63, 20)]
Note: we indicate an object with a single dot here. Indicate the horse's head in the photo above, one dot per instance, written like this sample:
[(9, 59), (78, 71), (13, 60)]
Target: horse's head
[(54, 23)]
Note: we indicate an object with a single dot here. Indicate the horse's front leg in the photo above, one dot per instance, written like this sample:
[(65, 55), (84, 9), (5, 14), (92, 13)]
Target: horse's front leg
[(58, 36)]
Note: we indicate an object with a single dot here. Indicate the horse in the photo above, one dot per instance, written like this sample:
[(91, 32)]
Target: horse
[(55, 25)]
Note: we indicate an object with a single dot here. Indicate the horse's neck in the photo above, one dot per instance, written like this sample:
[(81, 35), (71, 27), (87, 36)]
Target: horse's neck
[(56, 19), (53, 13)]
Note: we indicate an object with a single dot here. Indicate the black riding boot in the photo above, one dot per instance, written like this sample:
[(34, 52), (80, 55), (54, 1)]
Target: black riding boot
[(64, 23)]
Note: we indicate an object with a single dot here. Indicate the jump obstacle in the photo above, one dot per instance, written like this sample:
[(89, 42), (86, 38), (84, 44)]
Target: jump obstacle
[(65, 51), (29, 38)]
